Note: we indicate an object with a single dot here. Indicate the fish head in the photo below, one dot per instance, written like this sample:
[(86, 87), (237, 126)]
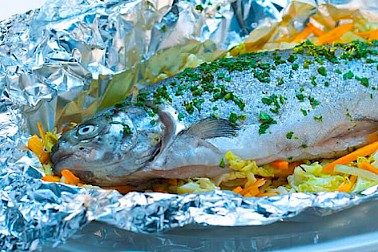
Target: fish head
[(108, 146)]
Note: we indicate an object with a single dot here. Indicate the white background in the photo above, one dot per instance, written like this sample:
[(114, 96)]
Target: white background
[(11, 7)]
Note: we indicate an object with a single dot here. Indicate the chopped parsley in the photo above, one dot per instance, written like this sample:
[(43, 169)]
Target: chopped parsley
[(318, 118), (349, 75), (222, 163), (265, 120), (304, 112), (322, 71), (364, 81), (289, 135)]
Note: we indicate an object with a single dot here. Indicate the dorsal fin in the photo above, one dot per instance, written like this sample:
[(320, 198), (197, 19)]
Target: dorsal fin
[(211, 128)]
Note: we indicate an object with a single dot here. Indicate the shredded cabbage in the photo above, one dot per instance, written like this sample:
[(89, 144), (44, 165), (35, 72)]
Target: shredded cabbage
[(197, 185), (310, 178), (238, 164)]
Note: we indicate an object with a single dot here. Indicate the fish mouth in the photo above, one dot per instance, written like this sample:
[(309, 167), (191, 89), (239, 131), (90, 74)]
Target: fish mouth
[(56, 157), (61, 162)]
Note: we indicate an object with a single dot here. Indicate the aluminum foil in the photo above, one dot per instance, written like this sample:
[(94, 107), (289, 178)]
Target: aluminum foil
[(67, 60)]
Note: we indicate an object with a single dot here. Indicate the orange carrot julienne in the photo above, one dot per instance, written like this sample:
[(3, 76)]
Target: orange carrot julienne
[(282, 173), (369, 167), (280, 164), (266, 194), (69, 177), (36, 146), (252, 192), (48, 178), (373, 137), (361, 152), (254, 188), (303, 34), (334, 34), (41, 132), (371, 35), (347, 186), (238, 189), (315, 30)]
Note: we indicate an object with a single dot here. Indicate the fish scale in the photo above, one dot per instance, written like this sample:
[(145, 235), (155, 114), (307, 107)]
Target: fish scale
[(251, 90), (306, 103)]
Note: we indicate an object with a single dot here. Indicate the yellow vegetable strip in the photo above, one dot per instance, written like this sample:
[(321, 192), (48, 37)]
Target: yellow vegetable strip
[(356, 172), (362, 152)]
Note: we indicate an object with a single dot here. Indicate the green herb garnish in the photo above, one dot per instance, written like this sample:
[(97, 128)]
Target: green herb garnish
[(289, 135)]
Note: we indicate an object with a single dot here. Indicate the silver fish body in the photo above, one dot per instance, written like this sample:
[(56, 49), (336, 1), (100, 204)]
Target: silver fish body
[(308, 103)]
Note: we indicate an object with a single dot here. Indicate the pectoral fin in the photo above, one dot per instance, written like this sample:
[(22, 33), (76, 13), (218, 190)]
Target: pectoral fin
[(211, 128)]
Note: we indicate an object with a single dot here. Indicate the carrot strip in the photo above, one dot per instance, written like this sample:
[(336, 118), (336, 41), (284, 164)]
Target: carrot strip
[(361, 152), (266, 194), (36, 146), (280, 164), (254, 188), (292, 165), (237, 189), (334, 34), (48, 178), (371, 35), (367, 166), (347, 186), (315, 30), (41, 132), (373, 137), (303, 35), (69, 177), (289, 171)]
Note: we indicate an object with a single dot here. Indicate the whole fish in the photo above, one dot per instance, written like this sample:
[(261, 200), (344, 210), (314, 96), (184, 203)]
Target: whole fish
[(310, 102)]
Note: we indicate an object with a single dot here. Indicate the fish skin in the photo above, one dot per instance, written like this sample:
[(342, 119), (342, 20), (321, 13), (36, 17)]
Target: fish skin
[(327, 121)]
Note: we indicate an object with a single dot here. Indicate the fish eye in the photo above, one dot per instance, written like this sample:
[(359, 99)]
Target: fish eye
[(86, 130)]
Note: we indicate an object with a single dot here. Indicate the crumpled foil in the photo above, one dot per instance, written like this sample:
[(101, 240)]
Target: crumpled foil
[(69, 59)]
